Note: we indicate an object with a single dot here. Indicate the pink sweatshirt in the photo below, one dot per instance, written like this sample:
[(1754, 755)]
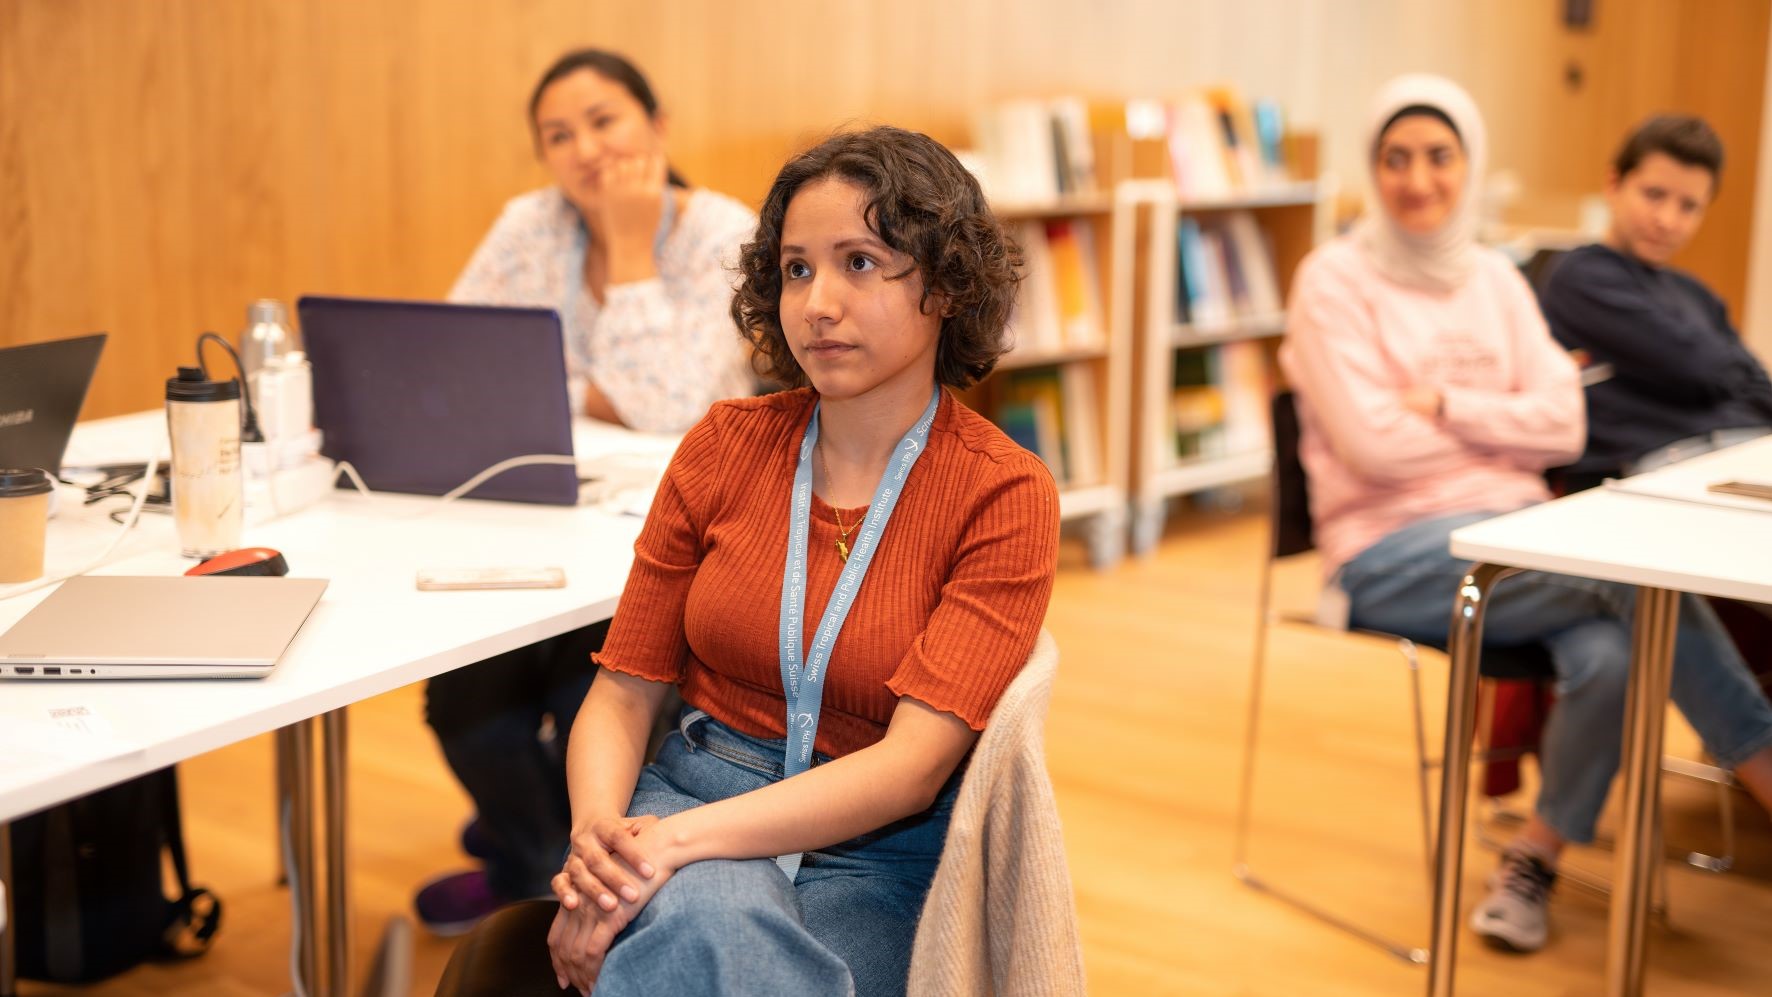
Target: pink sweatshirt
[(1356, 341)]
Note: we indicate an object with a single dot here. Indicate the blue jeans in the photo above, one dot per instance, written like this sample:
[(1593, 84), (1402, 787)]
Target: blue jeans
[(1405, 583), (723, 926)]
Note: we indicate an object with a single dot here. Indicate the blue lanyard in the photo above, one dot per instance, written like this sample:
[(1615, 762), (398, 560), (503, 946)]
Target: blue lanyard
[(803, 683)]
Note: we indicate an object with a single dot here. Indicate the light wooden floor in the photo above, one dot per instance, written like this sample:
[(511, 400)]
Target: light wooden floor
[(1144, 740)]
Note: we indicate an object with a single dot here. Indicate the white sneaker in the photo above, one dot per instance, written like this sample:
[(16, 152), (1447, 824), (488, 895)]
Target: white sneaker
[(1515, 914)]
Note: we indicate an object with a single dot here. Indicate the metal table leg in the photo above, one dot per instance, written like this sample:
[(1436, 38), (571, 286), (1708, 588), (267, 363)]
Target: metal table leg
[(8, 933), (1465, 644), (284, 780), (295, 746), (1638, 855), (333, 739)]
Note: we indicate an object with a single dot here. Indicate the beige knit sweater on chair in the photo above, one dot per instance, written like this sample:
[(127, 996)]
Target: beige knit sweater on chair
[(1000, 919)]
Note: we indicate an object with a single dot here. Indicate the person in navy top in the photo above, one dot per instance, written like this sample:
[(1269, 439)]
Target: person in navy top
[(1681, 380)]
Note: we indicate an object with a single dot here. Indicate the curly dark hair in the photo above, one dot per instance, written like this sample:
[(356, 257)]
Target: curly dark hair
[(920, 201)]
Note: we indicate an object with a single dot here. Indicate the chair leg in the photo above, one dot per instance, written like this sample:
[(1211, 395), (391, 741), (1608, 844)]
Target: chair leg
[(1252, 724), (1246, 801), (1726, 814), (1723, 780), (1423, 764)]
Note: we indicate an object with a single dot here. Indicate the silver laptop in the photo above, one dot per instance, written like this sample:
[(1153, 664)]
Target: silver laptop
[(126, 627)]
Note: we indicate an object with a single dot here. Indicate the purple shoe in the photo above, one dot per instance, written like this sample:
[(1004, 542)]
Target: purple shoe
[(452, 904)]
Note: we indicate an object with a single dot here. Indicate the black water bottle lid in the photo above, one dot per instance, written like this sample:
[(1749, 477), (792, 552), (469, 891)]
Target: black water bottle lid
[(18, 482), (192, 385)]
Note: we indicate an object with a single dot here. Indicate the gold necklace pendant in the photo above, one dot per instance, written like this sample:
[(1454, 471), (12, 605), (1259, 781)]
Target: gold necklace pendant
[(842, 531), (842, 535)]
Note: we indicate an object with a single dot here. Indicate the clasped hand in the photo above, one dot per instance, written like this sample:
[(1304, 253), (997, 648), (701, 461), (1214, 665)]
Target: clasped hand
[(607, 879)]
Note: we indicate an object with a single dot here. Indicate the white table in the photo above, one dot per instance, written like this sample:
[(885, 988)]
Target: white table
[(372, 631), (1680, 539)]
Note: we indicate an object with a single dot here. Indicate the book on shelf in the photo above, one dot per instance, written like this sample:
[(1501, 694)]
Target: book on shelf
[(1236, 134), (1058, 305), (1243, 379), (1034, 151), (1197, 154), (1270, 138), (1030, 408), (1034, 324), (1222, 146), (1073, 152), (1226, 273), (1070, 247), (1218, 405), (1082, 426), (1196, 405), (1020, 423), (1135, 139), (1254, 254), (1054, 413)]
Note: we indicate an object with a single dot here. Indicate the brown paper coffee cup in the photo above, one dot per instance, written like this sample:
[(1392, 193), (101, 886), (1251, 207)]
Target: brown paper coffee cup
[(24, 522)]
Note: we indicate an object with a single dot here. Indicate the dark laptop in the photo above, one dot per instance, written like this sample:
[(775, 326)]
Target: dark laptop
[(42, 386), (420, 396)]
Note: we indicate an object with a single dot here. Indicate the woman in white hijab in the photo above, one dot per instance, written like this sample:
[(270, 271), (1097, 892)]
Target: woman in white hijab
[(1431, 397)]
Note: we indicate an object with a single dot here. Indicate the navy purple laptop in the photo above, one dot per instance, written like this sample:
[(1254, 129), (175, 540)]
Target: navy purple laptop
[(421, 396)]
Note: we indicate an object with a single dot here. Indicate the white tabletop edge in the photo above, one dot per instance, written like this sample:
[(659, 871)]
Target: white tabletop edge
[(596, 565), (80, 776), (1640, 539)]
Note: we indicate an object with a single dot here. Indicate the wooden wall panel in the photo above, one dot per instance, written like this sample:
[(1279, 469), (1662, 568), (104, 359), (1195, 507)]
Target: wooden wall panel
[(1722, 59), (1642, 57), (162, 164)]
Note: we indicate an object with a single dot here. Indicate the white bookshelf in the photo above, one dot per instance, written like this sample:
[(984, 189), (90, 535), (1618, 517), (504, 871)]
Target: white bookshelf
[(1259, 327), (1098, 508), (1201, 473), (1293, 217), (1019, 359)]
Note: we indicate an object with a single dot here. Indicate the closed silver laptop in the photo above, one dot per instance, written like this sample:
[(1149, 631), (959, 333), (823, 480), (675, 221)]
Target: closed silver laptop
[(127, 627)]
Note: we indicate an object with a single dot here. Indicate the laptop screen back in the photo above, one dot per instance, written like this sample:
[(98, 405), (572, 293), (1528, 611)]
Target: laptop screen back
[(42, 386), (420, 397)]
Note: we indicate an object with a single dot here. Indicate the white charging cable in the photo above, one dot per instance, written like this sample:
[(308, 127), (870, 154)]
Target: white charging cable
[(344, 467), (135, 512), (506, 465)]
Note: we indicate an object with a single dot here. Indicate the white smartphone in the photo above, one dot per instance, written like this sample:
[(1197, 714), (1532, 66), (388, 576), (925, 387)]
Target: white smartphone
[(449, 579)]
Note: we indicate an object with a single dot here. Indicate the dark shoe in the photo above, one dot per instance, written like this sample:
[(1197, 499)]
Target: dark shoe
[(452, 904)]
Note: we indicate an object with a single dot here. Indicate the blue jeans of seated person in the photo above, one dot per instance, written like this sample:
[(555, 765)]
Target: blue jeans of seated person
[(844, 926), (1405, 584), (488, 718)]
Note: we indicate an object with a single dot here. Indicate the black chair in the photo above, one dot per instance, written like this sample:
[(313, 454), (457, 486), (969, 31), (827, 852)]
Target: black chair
[(506, 954), (1292, 534)]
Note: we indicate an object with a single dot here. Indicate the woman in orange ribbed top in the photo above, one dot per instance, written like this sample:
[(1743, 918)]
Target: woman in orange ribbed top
[(741, 862)]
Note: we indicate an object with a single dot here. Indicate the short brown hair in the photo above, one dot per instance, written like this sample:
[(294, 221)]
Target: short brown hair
[(920, 201), (1685, 137)]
